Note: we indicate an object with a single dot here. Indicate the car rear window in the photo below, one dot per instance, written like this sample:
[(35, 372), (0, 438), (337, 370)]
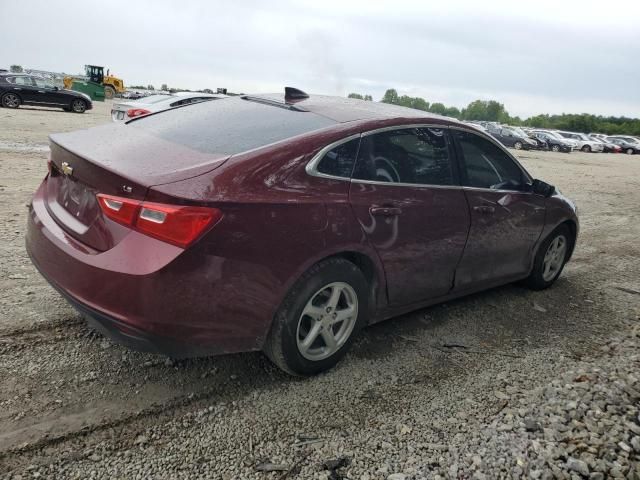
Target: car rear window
[(229, 126)]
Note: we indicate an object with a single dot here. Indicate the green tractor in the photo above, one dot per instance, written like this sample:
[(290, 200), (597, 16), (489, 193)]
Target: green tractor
[(95, 83)]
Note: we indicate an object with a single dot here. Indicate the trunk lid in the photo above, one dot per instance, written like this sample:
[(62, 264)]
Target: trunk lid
[(115, 160)]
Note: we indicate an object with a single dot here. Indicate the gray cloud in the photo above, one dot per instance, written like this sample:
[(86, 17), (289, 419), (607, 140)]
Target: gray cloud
[(536, 57)]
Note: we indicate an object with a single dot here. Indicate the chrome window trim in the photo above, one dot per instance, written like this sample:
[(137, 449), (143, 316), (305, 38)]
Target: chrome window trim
[(403, 127), (401, 184), (501, 147), (311, 167)]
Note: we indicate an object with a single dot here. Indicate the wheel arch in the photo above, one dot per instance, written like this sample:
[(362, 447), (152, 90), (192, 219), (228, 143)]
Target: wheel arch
[(16, 94)]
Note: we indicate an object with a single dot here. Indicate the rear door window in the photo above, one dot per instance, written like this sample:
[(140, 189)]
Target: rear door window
[(485, 165), (418, 156), (339, 161)]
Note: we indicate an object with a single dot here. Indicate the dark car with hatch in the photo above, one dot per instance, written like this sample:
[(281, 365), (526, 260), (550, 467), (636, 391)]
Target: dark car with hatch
[(285, 223), (552, 141), (512, 137), (20, 89), (629, 145)]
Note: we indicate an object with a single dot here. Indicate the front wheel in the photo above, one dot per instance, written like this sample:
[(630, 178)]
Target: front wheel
[(78, 106), (109, 92), (316, 323), (550, 259), (11, 100), (586, 149), (629, 151)]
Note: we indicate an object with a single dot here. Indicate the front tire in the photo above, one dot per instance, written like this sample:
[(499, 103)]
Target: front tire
[(11, 100), (78, 106), (629, 151), (551, 259), (586, 149), (319, 318), (109, 92)]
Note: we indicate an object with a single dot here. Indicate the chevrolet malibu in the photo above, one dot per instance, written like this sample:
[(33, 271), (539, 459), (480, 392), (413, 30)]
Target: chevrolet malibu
[(285, 223)]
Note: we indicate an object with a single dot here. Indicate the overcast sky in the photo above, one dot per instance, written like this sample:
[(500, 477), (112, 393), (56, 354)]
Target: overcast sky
[(534, 56)]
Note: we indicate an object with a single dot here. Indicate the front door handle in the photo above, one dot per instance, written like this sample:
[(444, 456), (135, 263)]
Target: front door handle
[(17, 88), (41, 91), (484, 209), (385, 211)]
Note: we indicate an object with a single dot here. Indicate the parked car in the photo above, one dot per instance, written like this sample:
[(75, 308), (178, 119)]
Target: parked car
[(630, 148), (606, 145), (553, 141), (123, 111), (19, 89), (583, 142), (285, 223), (511, 137)]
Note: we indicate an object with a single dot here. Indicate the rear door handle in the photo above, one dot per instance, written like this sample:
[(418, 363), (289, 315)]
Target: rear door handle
[(385, 211), (484, 209), (41, 91)]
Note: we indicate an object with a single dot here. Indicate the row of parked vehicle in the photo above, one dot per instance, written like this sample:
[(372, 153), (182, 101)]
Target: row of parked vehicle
[(524, 138)]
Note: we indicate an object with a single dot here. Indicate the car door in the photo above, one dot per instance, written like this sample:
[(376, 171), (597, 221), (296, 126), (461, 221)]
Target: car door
[(506, 217), (47, 94), (406, 196), (23, 86)]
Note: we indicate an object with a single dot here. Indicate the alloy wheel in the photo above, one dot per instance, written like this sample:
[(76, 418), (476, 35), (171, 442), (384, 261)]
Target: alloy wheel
[(629, 151), (555, 148), (78, 106), (517, 145), (11, 100), (554, 258), (327, 321)]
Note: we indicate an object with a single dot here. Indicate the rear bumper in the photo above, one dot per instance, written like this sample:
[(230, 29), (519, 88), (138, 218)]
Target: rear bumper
[(147, 294)]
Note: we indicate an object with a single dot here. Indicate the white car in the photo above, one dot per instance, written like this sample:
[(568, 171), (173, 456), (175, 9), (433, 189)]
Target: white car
[(123, 111), (583, 142)]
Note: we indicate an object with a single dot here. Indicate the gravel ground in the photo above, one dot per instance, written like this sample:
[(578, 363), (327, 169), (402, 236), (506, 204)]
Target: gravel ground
[(505, 384)]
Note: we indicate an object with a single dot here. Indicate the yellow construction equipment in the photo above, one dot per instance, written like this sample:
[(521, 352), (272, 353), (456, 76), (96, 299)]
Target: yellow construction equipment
[(95, 83)]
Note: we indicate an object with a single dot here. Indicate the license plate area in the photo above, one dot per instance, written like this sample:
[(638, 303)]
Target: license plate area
[(76, 198)]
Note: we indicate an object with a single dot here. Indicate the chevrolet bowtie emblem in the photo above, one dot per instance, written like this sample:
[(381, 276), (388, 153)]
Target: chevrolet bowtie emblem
[(66, 168)]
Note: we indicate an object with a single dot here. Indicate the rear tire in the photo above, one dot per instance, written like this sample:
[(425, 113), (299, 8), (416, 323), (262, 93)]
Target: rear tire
[(629, 151), (551, 258), (517, 145), (78, 106), (555, 148), (11, 100), (328, 302), (109, 92)]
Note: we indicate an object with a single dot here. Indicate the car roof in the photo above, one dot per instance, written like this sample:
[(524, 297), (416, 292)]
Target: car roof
[(197, 94), (341, 109)]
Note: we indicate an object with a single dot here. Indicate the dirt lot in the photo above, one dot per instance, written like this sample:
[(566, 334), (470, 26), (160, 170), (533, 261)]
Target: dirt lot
[(403, 403)]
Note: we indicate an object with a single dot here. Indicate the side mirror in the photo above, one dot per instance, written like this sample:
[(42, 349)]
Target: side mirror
[(542, 188)]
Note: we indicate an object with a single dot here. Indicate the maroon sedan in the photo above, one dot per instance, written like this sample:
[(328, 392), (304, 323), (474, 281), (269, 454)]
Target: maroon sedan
[(285, 224)]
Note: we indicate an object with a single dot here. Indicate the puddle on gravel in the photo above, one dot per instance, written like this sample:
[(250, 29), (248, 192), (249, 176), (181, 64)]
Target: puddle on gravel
[(23, 147)]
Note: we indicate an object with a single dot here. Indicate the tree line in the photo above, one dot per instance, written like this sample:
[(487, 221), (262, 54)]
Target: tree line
[(493, 111)]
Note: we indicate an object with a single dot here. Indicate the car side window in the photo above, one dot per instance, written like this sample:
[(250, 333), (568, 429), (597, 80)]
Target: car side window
[(339, 161), (26, 81), (42, 83), (486, 165), (409, 155)]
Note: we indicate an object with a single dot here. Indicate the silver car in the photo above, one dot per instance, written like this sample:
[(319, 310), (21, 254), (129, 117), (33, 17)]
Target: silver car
[(123, 111)]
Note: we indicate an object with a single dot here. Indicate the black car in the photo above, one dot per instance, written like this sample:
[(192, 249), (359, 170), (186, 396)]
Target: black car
[(552, 142), (18, 89), (511, 137), (627, 147)]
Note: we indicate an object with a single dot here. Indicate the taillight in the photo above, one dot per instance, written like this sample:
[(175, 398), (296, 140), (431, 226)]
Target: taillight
[(176, 224), (137, 112)]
